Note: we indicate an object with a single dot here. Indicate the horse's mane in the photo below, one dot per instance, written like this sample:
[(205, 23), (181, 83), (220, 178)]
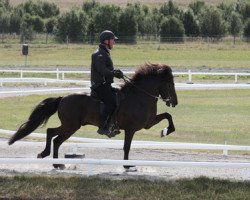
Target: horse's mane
[(148, 71)]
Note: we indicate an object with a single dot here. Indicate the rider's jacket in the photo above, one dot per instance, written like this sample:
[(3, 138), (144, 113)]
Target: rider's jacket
[(101, 67)]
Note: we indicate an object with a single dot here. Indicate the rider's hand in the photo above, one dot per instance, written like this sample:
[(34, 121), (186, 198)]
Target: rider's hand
[(118, 73)]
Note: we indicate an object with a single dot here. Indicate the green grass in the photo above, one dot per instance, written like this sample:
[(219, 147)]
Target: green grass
[(103, 189), (179, 56), (212, 116)]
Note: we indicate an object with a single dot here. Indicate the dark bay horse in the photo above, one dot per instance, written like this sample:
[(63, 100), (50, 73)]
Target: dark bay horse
[(137, 110)]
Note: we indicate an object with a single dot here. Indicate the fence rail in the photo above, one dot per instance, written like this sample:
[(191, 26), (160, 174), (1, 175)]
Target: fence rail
[(60, 74), (102, 143)]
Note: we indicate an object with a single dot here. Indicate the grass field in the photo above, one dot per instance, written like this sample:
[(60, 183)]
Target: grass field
[(102, 189), (201, 116), (179, 56)]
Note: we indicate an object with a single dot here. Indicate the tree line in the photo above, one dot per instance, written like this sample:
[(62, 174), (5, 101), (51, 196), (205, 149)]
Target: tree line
[(169, 22)]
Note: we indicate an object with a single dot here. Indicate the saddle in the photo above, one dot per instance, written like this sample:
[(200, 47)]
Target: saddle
[(114, 126)]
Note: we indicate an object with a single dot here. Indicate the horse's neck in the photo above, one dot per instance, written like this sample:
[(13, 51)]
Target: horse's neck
[(143, 88)]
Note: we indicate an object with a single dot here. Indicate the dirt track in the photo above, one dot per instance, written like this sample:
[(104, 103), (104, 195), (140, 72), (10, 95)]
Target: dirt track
[(117, 172)]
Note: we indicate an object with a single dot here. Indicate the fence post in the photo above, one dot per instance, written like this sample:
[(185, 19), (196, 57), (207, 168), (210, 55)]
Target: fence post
[(225, 150), (236, 78), (21, 73), (189, 77), (57, 73)]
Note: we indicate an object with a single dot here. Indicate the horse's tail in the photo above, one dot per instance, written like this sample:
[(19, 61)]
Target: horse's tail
[(40, 115)]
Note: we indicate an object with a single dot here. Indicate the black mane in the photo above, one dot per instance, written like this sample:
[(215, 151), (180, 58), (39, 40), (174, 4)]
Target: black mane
[(149, 71)]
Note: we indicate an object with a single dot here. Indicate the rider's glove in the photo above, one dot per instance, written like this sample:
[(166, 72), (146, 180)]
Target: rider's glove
[(118, 73)]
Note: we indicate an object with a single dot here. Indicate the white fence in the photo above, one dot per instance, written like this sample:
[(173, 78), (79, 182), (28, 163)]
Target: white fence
[(108, 143), (60, 74), (45, 81)]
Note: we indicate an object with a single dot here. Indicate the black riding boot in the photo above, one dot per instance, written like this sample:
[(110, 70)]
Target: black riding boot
[(104, 124)]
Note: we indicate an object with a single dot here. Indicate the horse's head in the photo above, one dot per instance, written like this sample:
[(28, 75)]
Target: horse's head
[(167, 86), (162, 82), (168, 94)]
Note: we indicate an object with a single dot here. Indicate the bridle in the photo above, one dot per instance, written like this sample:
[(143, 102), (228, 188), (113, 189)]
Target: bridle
[(129, 80)]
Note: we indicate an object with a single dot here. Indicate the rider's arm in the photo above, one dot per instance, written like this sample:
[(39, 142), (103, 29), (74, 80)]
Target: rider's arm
[(101, 67)]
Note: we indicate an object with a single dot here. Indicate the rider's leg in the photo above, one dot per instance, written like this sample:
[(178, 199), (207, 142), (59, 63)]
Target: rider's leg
[(107, 95)]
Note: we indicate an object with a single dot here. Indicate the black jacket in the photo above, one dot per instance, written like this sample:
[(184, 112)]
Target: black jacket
[(101, 67)]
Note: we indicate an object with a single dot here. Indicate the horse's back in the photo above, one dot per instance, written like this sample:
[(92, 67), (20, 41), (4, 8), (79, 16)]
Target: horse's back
[(79, 107)]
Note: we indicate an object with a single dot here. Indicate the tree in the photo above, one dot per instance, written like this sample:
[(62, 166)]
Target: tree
[(48, 9), (89, 6), (211, 23), (72, 24), (247, 30), (127, 26), (15, 22), (107, 18), (235, 25), (172, 30), (168, 8), (4, 21), (41, 8), (157, 17), (50, 25), (26, 31), (151, 26), (5, 4), (139, 13), (197, 6), (246, 13), (244, 9), (190, 24), (38, 24), (227, 10)]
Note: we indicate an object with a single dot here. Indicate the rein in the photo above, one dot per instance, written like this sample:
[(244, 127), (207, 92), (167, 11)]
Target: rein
[(129, 80)]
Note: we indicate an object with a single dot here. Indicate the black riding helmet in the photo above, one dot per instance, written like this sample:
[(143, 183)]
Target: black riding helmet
[(107, 35)]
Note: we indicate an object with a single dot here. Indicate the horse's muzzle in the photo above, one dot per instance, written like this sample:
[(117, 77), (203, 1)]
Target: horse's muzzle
[(170, 102)]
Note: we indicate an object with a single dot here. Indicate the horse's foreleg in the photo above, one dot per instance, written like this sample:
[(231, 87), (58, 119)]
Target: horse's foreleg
[(51, 132), (127, 144), (159, 118)]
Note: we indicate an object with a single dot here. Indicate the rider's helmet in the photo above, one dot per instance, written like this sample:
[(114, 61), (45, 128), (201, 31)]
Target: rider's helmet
[(107, 35)]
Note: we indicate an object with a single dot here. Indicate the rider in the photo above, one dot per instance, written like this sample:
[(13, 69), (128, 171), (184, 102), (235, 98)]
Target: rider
[(102, 75)]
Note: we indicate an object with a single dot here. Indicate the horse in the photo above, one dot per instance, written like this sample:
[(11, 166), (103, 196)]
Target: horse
[(137, 110)]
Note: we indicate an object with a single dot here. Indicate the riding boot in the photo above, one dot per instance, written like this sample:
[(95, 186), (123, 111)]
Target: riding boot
[(104, 124)]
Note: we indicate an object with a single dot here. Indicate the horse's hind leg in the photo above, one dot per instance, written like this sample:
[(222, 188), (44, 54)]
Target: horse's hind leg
[(64, 135), (51, 132)]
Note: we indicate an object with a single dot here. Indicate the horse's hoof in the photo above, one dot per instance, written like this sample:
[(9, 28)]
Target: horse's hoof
[(59, 166), (170, 130), (164, 132), (39, 155)]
